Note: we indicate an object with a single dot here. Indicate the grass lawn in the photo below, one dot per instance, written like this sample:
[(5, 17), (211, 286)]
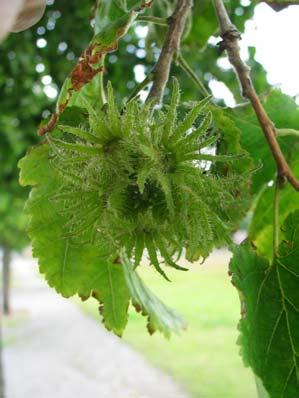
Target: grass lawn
[(205, 358)]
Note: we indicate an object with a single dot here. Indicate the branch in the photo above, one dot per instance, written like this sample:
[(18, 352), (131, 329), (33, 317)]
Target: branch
[(152, 19), (171, 45), (230, 42)]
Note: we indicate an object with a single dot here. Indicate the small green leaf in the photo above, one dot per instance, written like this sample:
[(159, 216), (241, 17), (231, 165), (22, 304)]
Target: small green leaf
[(104, 42), (160, 317)]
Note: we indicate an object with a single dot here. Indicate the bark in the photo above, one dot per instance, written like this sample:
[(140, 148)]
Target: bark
[(2, 392), (6, 279), (176, 25)]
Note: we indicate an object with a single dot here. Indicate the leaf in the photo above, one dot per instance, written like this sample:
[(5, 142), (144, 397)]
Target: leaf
[(261, 392), (230, 142), (109, 11), (113, 296), (159, 316), (269, 328), (261, 226), (204, 21), (84, 82), (72, 266)]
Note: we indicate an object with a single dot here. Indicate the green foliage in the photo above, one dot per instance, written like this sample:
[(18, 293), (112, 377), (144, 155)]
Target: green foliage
[(113, 184), (261, 226), (84, 80), (284, 113), (230, 142), (12, 219), (23, 99), (270, 305)]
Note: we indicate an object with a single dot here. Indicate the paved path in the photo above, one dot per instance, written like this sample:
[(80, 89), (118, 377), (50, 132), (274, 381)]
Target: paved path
[(58, 352)]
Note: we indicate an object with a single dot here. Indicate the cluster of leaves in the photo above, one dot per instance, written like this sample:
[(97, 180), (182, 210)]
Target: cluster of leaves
[(130, 181)]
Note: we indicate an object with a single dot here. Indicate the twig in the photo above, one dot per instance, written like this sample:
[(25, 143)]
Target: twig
[(140, 87), (230, 42), (152, 19), (188, 70), (171, 45), (287, 132)]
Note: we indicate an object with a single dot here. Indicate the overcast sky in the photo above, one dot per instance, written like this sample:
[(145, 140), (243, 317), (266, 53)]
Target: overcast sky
[(276, 38)]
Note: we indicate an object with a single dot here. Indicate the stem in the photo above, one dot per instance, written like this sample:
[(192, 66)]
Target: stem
[(188, 70), (287, 132), (230, 42), (276, 217), (140, 86), (101, 82), (171, 45), (155, 20)]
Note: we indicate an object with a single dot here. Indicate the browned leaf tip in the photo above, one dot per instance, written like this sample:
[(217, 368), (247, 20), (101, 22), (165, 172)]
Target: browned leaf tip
[(49, 126)]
